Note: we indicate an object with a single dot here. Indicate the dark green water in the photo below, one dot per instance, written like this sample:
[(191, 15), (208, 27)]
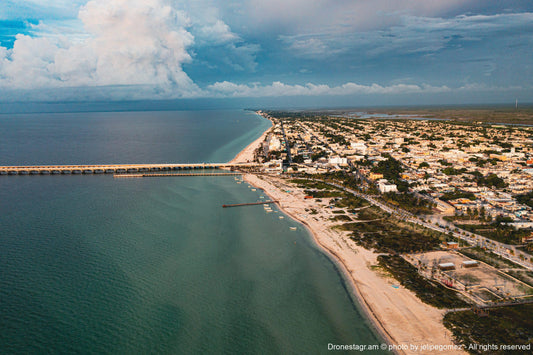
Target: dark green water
[(92, 264)]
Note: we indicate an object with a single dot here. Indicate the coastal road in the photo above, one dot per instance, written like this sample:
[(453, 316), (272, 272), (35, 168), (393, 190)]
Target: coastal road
[(504, 250)]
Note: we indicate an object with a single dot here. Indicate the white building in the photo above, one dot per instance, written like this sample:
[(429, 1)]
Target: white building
[(359, 147), (384, 186), (275, 144), (338, 161)]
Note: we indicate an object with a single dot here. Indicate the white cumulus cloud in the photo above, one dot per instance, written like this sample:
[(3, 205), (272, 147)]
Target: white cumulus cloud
[(130, 42)]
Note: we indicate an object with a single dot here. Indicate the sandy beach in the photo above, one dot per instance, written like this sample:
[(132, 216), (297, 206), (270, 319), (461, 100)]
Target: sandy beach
[(402, 319), (397, 314)]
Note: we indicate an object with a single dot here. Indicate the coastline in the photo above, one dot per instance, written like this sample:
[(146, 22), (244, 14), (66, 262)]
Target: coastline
[(397, 315), (247, 154), (334, 257)]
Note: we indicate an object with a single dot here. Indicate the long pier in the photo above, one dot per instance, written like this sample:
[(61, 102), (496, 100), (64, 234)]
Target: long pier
[(113, 168), (173, 175), (250, 204)]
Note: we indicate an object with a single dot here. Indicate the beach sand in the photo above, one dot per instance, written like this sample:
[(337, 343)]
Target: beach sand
[(397, 314)]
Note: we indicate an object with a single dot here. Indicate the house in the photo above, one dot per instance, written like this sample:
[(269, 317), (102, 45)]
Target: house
[(375, 176)]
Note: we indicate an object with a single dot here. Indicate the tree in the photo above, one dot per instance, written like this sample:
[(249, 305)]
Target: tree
[(298, 159)]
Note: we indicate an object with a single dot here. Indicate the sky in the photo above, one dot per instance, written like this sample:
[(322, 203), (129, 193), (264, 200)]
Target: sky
[(341, 52)]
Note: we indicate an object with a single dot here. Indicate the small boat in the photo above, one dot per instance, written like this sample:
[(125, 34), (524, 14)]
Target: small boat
[(293, 228), (281, 217), (254, 189)]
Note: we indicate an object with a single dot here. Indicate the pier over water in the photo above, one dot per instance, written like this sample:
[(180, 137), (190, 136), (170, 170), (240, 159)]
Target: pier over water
[(114, 168)]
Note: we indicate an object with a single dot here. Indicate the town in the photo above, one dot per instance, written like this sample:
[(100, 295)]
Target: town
[(475, 174), (440, 201)]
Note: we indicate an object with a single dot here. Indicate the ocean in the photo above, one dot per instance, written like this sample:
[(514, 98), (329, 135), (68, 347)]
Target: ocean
[(93, 264)]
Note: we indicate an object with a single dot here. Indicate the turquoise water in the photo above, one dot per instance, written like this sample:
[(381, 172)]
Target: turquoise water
[(92, 264)]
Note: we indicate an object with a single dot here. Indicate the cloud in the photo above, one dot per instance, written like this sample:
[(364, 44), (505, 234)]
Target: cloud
[(131, 42), (229, 89), (279, 89), (308, 16), (413, 35), (215, 41)]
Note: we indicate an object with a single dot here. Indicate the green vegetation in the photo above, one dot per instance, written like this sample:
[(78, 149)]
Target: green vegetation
[(274, 154), (335, 138), (386, 234), (318, 185), (429, 292), (318, 155), (409, 202), (498, 231), (526, 199), (351, 201), (491, 180), (453, 171), (505, 325), (448, 196), (488, 257), (391, 170), (298, 159), (341, 218), (465, 115)]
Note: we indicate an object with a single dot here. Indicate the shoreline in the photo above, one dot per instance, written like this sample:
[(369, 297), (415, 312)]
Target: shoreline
[(247, 154), (339, 264), (395, 313), (341, 268), (397, 316)]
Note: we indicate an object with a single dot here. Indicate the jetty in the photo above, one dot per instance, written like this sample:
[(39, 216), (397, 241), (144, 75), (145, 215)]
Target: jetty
[(115, 168), (250, 204), (173, 175)]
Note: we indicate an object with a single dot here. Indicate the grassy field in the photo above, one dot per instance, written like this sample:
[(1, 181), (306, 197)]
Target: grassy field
[(522, 115), (386, 234), (492, 114), (512, 325)]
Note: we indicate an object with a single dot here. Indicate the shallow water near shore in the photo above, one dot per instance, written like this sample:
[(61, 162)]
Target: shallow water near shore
[(92, 264)]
